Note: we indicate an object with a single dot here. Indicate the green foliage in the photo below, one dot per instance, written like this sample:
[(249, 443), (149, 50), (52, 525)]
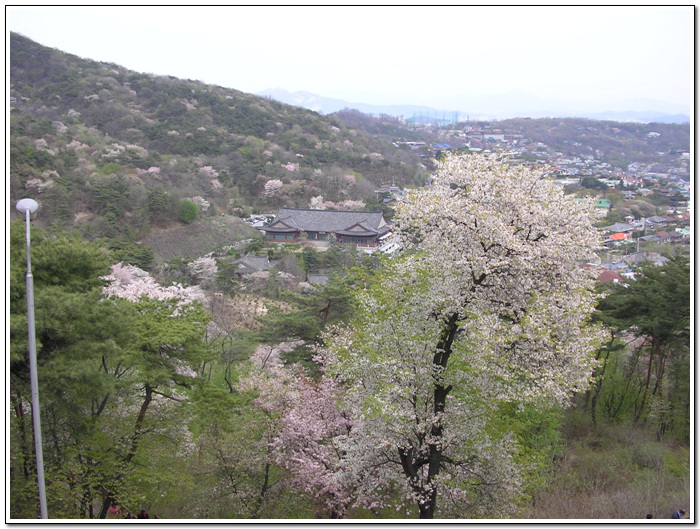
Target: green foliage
[(615, 472), (95, 359), (64, 260), (158, 204), (187, 212), (109, 169), (226, 280), (652, 379), (129, 252), (253, 246), (311, 313), (591, 182), (111, 196), (657, 303), (310, 259)]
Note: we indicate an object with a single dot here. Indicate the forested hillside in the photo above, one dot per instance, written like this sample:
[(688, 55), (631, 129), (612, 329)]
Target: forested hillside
[(617, 143), (115, 151)]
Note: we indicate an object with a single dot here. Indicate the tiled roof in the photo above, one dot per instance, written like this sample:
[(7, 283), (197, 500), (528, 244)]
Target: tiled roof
[(251, 263), (341, 222)]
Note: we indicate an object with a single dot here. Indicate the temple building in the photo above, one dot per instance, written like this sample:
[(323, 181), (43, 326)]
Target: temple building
[(364, 228)]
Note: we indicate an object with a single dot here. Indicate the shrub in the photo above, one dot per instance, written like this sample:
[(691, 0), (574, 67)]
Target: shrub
[(188, 211)]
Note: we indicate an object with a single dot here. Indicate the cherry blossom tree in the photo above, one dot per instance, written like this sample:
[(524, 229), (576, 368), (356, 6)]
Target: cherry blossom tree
[(487, 305), (203, 269), (304, 424), (306, 445), (131, 283), (271, 187)]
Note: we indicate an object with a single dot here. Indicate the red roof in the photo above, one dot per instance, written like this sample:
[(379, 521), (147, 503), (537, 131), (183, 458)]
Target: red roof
[(618, 236), (609, 275)]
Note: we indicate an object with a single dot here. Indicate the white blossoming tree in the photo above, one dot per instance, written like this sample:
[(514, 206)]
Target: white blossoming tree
[(272, 187), (203, 270), (488, 305)]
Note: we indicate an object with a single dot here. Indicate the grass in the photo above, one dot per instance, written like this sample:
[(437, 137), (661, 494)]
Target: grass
[(615, 472), (199, 238)]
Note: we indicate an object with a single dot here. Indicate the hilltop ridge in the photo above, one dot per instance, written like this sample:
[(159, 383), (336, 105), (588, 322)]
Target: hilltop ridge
[(100, 143)]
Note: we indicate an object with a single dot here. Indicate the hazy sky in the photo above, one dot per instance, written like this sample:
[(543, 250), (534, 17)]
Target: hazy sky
[(390, 54)]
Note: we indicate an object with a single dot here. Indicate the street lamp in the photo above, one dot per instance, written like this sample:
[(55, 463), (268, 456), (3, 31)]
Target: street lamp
[(27, 206)]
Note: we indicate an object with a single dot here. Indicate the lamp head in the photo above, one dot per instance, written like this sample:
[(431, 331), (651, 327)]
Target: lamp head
[(27, 204)]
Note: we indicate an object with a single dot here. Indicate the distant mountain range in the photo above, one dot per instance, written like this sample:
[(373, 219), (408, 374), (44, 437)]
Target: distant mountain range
[(491, 107)]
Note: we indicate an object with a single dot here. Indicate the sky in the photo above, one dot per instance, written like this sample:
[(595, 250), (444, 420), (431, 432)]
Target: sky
[(394, 54)]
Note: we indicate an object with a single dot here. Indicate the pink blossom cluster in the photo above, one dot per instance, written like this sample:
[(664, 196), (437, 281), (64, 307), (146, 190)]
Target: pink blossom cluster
[(208, 170), (305, 444), (131, 283), (291, 166), (307, 422)]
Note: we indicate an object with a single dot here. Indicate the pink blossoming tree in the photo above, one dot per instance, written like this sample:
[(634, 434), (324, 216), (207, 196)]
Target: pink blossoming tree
[(305, 424)]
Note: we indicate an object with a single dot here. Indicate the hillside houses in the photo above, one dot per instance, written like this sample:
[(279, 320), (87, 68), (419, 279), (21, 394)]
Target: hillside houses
[(586, 152)]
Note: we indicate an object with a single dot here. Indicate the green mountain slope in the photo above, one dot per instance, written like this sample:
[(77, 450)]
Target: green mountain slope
[(114, 152)]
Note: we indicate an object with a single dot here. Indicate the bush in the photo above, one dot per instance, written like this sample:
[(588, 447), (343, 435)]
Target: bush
[(188, 211), (614, 472)]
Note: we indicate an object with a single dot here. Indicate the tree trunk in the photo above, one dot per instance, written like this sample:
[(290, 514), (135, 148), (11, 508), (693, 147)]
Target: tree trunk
[(24, 446), (263, 492), (595, 390), (440, 392), (627, 385), (139, 422), (646, 385), (107, 497), (227, 377)]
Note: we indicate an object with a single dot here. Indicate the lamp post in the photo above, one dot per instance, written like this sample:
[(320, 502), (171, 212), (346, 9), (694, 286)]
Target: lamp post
[(27, 206)]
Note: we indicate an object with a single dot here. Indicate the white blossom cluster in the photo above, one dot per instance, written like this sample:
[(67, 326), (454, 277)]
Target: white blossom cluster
[(113, 151), (132, 283), (75, 145), (318, 202), (201, 203), (40, 144), (203, 269), (488, 304), (272, 187)]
